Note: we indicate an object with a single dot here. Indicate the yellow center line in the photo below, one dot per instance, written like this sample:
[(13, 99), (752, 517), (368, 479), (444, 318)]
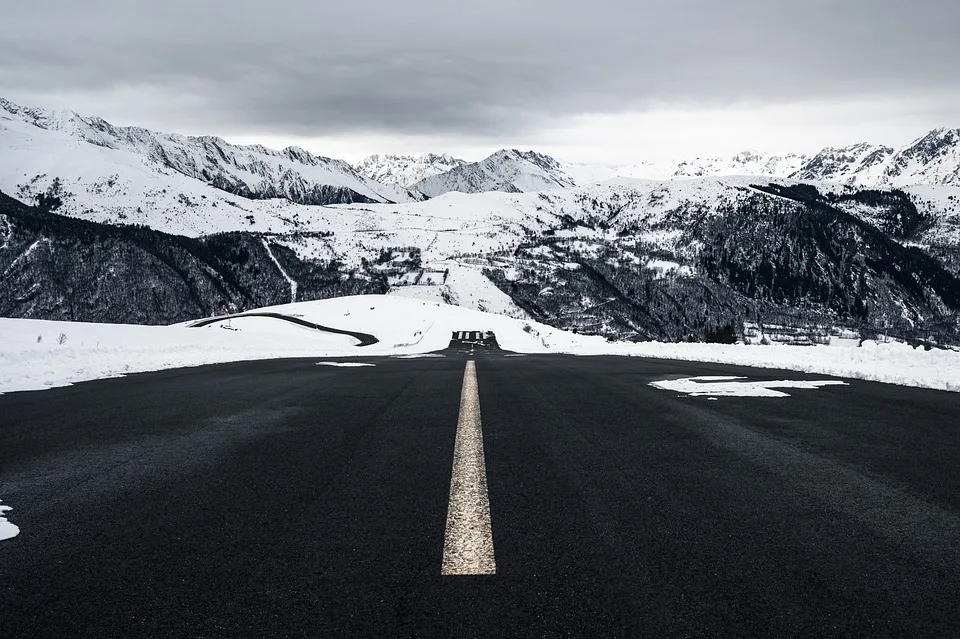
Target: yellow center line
[(468, 540)]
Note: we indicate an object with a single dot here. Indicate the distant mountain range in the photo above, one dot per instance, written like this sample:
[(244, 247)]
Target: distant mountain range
[(90, 149), (108, 223), (255, 172), (933, 159)]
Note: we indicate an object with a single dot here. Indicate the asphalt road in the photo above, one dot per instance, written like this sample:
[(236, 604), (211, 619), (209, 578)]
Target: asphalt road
[(283, 498)]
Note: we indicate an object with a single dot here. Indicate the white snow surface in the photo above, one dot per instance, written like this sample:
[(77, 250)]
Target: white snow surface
[(711, 386), (345, 364), (404, 326), (7, 530)]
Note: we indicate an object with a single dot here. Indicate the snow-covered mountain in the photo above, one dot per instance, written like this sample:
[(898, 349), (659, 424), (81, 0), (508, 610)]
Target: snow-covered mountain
[(629, 259), (510, 171), (406, 170), (932, 159), (38, 146), (626, 258), (861, 163)]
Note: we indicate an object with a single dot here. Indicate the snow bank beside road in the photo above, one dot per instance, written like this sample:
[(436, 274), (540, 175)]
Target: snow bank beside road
[(404, 327), (890, 363), (33, 356)]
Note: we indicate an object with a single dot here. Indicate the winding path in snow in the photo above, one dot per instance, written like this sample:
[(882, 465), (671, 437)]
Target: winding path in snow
[(365, 339)]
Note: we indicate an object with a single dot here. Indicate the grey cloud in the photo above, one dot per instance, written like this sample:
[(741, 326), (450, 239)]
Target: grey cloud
[(318, 68)]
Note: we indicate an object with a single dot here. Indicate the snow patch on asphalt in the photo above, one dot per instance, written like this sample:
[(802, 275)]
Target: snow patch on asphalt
[(344, 364), (7, 530), (416, 356), (713, 387)]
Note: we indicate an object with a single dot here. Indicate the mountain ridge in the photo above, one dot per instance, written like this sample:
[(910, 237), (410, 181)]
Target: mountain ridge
[(250, 171), (506, 170)]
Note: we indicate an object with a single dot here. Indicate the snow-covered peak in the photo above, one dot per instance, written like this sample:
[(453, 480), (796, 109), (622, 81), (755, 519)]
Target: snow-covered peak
[(931, 159), (406, 170), (507, 170), (857, 162)]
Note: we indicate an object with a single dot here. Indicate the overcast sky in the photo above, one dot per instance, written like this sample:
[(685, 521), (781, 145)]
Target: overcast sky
[(597, 80)]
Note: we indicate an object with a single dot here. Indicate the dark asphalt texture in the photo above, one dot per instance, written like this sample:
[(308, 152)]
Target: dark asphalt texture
[(282, 498)]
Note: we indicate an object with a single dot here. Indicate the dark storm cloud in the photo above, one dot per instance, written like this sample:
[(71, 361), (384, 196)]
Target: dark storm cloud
[(320, 67)]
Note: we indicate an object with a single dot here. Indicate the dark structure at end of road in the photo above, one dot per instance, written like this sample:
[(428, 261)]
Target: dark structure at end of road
[(474, 341)]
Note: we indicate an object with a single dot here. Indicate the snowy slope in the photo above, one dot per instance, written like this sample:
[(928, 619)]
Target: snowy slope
[(250, 171), (510, 171), (584, 174), (406, 170), (404, 327)]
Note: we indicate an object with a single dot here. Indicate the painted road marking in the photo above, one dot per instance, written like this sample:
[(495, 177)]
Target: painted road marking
[(468, 540), (736, 386), (470, 335)]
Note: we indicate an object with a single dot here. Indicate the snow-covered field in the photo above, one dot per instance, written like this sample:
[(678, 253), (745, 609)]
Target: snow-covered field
[(38, 354), (33, 357)]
